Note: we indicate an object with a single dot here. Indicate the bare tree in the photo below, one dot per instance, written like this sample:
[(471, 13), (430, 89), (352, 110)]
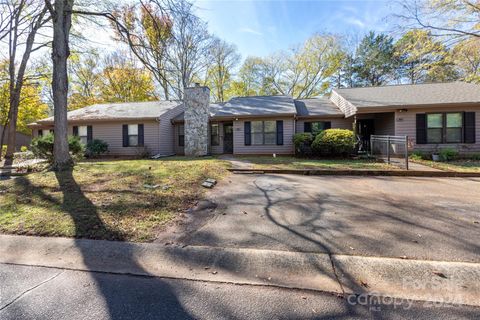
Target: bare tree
[(146, 28), (191, 42), (223, 57), (61, 12), (20, 21), (454, 19), (305, 71), (167, 37)]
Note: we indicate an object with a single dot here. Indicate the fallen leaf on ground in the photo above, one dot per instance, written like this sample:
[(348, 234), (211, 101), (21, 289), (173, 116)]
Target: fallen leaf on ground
[(363, 283), (245, 212)]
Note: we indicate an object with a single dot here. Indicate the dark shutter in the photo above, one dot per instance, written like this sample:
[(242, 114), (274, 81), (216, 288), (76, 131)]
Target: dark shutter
[(140, 135), (307, 127), (75, 131), (125, 135), (327, 125), (40, 132), (89, 134), (469, 127), (247, 128), (279, 132), (421, 128)]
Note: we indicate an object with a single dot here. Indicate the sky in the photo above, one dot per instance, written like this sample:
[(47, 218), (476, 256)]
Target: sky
[(261, 27)]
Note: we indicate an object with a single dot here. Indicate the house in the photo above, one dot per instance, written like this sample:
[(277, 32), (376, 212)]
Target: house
[(433, 116), (21, 139)]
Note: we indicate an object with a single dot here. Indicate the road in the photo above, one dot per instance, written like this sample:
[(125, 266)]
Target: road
[(29, 292)]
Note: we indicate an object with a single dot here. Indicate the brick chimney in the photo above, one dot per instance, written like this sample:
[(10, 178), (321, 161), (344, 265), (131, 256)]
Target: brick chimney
[(196, 116)]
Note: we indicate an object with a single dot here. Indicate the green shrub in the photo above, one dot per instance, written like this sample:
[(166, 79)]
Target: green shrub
[(448, 154), (302, 143), (23, 149), (4, 150), (474, 156), (334, 142), (42, 147), (96, 147), (419, 155)]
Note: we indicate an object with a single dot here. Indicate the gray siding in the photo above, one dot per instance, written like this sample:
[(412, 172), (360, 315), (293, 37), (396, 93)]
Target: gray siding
[(166, 135), (405, 124), (337, 123), (111, 132), (239, 146)]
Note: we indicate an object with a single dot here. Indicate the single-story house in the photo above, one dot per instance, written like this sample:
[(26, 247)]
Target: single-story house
[(21, 139), (433, 116)]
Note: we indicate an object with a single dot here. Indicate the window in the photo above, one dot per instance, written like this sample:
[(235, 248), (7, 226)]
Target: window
[(133, 135), (318, 127), (453, 131), (264, 132), (215, 136), (181, 135), (82, 134), (435, 128), (445, 127)]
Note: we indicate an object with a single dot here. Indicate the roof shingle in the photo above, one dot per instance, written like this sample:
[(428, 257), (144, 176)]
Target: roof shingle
[(410, 95)]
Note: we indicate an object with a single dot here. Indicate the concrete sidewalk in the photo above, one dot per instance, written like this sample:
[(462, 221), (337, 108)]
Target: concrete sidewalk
[(446, 282)]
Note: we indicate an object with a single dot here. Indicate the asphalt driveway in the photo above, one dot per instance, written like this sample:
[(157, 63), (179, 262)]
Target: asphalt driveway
[(422, 218)]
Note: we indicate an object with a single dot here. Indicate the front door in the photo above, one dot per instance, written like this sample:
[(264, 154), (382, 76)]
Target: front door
[(365, 129), (228, 137)]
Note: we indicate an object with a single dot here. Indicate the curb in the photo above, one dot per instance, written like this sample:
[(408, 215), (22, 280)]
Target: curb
[(436, 281), (392, 173)]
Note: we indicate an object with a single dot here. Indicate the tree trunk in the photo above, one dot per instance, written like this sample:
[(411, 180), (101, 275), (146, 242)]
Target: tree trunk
[(12, 128), (62, 21)]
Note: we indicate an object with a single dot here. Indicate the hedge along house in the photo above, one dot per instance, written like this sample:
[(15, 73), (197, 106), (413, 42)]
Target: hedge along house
[(433, 116)]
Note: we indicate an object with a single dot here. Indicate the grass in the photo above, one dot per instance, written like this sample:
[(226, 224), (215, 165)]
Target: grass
[(287, 162), (464, 165), (105, 199)]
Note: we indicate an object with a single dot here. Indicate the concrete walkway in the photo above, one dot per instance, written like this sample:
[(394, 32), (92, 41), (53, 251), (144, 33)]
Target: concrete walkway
[(438, 281), (237, 163)]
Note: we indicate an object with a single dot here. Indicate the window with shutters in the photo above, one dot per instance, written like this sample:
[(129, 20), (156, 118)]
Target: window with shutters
[(132, 135), (445, 127), (83, 134), (264, 132), (181, 135)]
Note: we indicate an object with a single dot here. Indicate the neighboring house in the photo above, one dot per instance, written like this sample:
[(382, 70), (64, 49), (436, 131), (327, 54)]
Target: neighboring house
[(20, 140), (432, 116)]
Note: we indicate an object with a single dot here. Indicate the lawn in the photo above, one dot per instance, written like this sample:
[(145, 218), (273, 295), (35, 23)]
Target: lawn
[(111, 200), (464, 165), (287, 162)]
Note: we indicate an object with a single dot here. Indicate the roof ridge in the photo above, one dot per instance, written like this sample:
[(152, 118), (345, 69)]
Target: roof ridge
[(404, 85), (263, 96)]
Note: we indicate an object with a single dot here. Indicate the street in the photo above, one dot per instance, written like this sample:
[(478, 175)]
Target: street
[(50, 293)]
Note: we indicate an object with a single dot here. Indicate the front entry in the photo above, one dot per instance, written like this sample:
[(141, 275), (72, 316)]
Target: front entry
[(228, 137), (365, 128)]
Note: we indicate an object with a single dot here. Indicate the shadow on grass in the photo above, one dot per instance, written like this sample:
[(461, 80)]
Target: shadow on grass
[(123, 299)]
